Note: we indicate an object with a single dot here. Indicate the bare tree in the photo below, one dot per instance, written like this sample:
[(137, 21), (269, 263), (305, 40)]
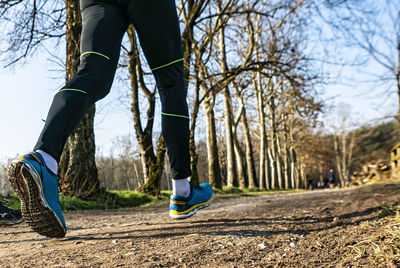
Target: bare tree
[(344, 141), (373, 28)]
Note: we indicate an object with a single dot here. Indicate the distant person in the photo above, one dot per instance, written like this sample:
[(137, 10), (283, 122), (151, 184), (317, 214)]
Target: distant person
[(9, 216), (331, 179), (347, 180), (34, 175)]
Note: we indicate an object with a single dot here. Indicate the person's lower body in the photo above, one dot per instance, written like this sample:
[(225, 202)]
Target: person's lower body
[(104, 24)]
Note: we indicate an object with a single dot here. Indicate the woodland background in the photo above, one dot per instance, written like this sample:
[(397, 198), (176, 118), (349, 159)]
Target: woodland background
[(255, 72)]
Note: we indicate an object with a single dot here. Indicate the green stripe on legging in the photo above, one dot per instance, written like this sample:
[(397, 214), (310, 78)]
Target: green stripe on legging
[(165, 65), (97, 53), (72, 89), (176, 115)]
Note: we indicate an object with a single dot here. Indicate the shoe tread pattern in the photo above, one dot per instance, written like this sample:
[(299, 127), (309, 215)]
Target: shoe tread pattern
[(36, 214)]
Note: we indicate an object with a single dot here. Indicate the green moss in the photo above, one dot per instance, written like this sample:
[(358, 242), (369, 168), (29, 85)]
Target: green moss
[(124, 199), (71, 203), (127, 199)]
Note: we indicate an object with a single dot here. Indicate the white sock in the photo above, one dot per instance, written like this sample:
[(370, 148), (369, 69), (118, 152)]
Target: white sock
[(181, 187), (51, 163)]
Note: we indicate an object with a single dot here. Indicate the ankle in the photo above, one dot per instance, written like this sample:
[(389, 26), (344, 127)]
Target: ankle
[(50, 162), (181, 187)]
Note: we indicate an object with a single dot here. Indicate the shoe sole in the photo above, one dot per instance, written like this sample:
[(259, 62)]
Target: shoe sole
[(192, 212), (10, 222), (36, 213)]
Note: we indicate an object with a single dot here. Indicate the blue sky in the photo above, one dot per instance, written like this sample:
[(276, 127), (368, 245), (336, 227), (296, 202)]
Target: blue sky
[(25, 97)]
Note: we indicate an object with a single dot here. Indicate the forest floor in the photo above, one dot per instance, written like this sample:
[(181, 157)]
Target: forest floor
[(323, 228)]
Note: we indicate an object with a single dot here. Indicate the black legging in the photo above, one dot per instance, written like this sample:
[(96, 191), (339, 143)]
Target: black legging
[(104, 24)]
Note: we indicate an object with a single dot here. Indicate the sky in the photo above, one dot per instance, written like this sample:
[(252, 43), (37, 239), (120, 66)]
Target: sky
[(25, 97)]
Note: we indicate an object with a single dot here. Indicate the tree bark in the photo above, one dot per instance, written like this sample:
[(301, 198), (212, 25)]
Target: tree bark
[(240, 163), (192, 143), (272, 167), (285, 162), (155, 168), (214, 171), (292, 155), (230, 151), (278, 162), (398, 87), (250, 163), (263, 175)]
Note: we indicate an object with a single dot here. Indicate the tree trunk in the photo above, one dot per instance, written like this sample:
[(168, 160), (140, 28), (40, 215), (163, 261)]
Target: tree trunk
[(285, 162), (192, 143), (292, 155), (263, 176), (214, 171), (78, 171), (242, 178), (194, 179), (250, 163), (278, 163), (344, 158), (230, 151), (276, 175), (339, 163), (303, 176), (292, 173), (272, 167), (155, 166)]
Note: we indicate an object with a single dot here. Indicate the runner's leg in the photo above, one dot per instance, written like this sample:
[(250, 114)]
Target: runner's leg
[(157, 26), (103, 28)]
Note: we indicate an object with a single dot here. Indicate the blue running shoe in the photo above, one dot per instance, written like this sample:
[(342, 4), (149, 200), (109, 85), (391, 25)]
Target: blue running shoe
[(37, 188), (200, 197)]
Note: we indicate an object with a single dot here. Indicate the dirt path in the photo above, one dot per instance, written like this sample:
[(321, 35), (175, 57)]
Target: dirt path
[(295, 230)]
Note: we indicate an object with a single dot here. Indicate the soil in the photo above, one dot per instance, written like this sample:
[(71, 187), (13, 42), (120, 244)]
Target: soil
[(308, 229)]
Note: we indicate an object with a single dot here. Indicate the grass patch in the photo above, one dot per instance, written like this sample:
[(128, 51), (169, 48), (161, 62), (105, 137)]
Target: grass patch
[(71, 203), (128, 199), (11, 201), (383, 247)]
